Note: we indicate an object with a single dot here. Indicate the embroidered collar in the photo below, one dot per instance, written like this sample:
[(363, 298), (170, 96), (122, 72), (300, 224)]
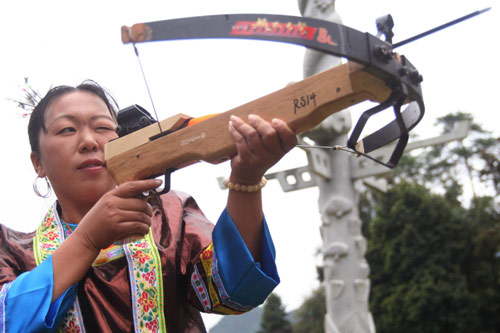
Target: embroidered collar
[(145, 273)]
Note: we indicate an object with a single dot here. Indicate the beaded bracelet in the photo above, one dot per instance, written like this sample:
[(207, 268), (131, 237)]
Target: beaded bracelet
[(245, 188)]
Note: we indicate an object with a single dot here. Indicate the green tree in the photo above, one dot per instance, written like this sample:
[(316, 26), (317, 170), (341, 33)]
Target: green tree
[(444, 166), (416, 252), (435, 257), (311, 314), (273, 318), (482, 265), (441, 167)]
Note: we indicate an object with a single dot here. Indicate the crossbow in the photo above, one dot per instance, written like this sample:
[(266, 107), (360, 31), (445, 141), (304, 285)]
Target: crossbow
[(373, 72)]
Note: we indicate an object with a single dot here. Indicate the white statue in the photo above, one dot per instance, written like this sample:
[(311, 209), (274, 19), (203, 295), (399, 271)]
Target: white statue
[(345, 269)]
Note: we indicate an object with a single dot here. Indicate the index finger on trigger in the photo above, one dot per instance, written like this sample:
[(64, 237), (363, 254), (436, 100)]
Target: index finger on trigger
[(136, 188)]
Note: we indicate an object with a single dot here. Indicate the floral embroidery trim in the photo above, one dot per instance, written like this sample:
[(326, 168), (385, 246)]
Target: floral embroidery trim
[(3, 296), (221, 302), (200, 289), (49, 236), (106, 255), (146, 284), (144, 266), (206, 258), (111, 253), (218, 281), (71, 324)]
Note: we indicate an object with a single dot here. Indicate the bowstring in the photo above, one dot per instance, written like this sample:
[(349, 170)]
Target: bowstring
[(338, 148), (145, 81)]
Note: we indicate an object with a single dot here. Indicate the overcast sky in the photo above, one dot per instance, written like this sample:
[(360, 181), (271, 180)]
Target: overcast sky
[(65, 42)]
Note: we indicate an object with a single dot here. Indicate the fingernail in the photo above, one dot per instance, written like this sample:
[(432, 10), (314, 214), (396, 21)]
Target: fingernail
[(158, 182), (252, 119), (275, 122)]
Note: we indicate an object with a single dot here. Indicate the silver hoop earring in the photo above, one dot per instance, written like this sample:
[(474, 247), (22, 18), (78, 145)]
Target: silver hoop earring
[(35, 187)]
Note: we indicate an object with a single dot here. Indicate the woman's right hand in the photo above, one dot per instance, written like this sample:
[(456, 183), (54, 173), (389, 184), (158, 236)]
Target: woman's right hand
[(119, 214)]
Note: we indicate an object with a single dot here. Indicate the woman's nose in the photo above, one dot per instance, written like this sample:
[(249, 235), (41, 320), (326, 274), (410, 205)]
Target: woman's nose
[(88, 142)]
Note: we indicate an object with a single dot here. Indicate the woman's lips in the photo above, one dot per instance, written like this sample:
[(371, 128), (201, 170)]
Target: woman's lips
[(91, 165)]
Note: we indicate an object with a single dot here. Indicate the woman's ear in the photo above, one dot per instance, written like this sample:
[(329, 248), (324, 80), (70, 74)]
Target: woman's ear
[(37, 165)]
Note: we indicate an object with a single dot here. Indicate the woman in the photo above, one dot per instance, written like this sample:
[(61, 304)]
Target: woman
[(71, 273)]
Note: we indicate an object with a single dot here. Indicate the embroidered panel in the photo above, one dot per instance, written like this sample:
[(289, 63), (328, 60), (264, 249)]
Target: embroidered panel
[(111, 253), (144, 265), (49, 236), (146, 284), (214, 298), (200, 289)]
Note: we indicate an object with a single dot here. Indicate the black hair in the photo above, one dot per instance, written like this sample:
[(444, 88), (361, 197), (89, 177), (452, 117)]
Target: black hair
[(37, 118)]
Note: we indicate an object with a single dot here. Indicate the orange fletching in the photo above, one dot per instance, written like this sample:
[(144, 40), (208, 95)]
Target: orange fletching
[(194, 121)]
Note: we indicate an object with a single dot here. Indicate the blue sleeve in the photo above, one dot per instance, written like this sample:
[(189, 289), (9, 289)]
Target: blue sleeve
[(27, 303), (246, 281)]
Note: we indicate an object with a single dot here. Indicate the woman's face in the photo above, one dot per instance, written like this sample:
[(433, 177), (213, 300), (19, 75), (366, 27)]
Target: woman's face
[(72, 150)]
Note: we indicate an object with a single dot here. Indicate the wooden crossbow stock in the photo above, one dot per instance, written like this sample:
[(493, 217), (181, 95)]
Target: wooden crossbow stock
[(374, 72)]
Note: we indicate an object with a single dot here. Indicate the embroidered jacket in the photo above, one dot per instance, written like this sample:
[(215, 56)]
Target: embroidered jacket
[(159, 283)]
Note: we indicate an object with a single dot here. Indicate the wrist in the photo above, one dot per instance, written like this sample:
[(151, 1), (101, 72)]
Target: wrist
[(85, 242), (249, 186), (245, 178)]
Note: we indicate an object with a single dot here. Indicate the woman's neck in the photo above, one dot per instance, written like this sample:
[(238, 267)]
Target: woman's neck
[(72, 212)]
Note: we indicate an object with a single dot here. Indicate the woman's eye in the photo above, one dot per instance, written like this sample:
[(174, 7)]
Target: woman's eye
[(66, 130), (105, 128)]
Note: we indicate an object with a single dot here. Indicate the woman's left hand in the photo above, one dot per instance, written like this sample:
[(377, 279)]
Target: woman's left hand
[(260, 144)]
